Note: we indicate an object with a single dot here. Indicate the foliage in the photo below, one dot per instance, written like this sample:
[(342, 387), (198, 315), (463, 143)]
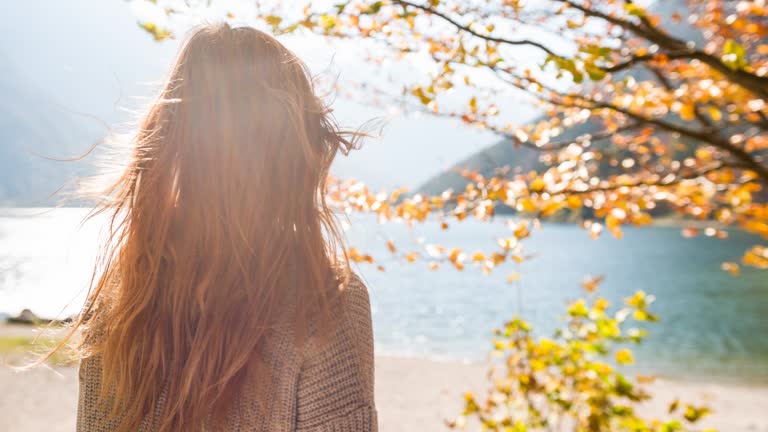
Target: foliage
[(675, 114), (675, 104), (568, 382)]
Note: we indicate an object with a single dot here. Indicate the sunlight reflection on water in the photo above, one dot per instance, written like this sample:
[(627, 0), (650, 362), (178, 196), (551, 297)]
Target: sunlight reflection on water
[(712, 324)]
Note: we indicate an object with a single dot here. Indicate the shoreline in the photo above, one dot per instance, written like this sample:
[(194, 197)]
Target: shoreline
[(54, 331), (412, 394), (664, 221)]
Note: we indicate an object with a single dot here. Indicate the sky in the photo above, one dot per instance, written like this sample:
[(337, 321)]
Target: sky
[(89, 57)]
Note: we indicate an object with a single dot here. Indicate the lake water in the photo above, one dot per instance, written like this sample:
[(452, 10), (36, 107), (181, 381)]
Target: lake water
[(713, 326)]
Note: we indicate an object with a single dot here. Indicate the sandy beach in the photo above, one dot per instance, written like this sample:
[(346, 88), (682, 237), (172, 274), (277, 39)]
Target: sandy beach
[(412, 395)]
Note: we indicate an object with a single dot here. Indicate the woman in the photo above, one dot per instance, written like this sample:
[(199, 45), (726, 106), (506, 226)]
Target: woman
[(224, 302)]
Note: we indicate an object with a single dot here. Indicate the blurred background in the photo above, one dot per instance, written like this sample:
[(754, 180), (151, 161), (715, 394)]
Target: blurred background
[(79, 71)]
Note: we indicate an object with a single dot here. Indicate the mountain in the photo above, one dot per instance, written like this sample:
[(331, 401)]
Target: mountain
[(521, 159), (38, 139), (65, 88)]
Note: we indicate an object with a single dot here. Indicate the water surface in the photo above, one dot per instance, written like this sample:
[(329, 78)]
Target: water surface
[(713, 326)]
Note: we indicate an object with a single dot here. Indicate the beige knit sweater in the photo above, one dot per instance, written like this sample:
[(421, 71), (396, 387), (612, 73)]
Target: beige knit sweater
[(324, 387)]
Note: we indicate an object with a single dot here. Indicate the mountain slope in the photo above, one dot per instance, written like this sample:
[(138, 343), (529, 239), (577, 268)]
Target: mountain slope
[(34, 132), (522, 159)]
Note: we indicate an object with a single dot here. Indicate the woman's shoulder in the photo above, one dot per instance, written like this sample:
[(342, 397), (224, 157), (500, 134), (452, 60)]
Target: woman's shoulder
[(348, 319), (354, 294)]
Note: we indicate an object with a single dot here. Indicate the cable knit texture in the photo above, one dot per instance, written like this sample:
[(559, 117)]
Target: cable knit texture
[(327, 386)]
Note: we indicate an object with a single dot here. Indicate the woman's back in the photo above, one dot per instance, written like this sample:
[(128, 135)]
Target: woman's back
[(223, 299), (325, 385)]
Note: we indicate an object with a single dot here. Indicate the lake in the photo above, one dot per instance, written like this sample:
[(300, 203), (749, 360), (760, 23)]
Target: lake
[(712, 327)]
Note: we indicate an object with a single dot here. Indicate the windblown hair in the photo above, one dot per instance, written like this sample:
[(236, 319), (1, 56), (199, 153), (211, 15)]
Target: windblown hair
[(219, 217)]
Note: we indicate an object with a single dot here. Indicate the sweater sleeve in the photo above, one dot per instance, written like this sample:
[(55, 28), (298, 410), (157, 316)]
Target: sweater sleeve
[(335, 388), (90, 417)]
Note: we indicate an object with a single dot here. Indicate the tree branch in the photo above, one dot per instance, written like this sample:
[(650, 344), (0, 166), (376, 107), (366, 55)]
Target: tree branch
[(704, 136), (471, 31), (677, 48), (644, 183)]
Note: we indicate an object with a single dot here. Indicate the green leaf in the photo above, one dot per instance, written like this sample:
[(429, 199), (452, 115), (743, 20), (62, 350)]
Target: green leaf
[(159, 34), (693, 414), (734, 55), (595, 73), (635, 10), (273, 21), (371, 8)]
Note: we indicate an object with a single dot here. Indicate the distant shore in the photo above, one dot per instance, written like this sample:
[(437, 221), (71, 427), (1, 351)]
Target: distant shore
[(412, 395), (665, 221)]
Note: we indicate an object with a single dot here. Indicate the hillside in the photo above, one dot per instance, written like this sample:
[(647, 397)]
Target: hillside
[(521, 159), (34, 131)]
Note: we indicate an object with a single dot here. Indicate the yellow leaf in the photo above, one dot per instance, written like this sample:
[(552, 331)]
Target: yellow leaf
[(624, 357), (522, 231), (473, 105), (731, 268), (574, 202), (513, 277), (538, 184), (590, 284), (673, 406), (526, 205), (419, 93), (693, 414), (687, 112), (638, 300), (642, 218), (507, 243), (601, 304), (454, 254), (550, 208), (756, 257), (478, 257), (158, 33), (715, 113), (704, 153), (578, 308)]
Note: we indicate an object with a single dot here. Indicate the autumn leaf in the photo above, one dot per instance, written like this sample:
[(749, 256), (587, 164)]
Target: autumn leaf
[(578, 309), (624, 357), (411, 256), (731, 268), (693, 414), (159, 34), (514, 276), (590, 284), (687, 112)]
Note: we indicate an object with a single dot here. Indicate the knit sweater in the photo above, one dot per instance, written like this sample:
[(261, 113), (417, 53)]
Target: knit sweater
[(324, 386)]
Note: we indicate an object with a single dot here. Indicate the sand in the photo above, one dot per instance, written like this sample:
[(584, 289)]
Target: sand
[(412, 395)]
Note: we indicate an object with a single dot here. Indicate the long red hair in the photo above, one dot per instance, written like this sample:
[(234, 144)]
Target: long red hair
[(218, 217)]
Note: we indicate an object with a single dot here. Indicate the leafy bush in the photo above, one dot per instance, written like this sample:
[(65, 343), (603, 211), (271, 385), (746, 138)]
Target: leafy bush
[(573, 380)]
